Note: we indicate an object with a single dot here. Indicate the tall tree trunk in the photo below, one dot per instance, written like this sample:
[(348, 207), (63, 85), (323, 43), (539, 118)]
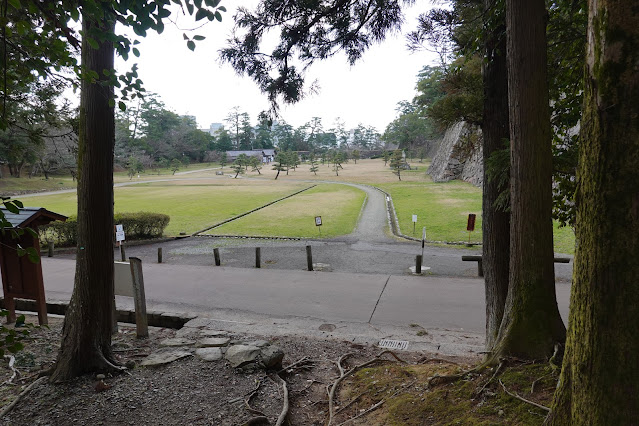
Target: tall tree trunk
[(86, 336), (531, 325), (599, 379), (495, 221)]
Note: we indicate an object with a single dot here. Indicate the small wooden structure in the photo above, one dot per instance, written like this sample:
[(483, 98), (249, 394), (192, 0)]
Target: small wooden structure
[(22, 279)]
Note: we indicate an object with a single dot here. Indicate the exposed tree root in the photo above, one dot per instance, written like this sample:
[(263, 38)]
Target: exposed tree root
[(557, 354), (330, 389), (9, 407), (374, 407), (439, 380), (532, 387), (501, 364), (302, 361), (377, 405), (514, 395), (426, 360), (285, 405)]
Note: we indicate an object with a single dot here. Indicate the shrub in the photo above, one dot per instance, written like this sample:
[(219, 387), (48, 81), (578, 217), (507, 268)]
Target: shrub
[(137, 226)]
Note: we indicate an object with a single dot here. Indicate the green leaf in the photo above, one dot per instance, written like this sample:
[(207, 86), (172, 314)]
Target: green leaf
[(33, 255), (198, 38), (201, 14), (164, 13), (18, 203), (15, 3), (189, 7), (221, 9), (75, 14), (122, 106), (22, 27), (218, 16), (184, 36), (31, 232), (94, 44), (12, 208), (136, 52), (190, 44), (20, 321), (16, 347)]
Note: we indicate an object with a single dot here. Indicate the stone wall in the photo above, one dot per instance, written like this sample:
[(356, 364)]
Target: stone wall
[(459, 155)]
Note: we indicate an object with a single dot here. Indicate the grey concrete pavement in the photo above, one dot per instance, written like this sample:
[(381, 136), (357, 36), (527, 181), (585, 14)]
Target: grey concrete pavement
[(432, 302)]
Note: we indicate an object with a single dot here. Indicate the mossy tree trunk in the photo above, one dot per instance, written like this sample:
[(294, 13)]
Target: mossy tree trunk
[(531, 324), (86, 335), (495, 221), (599, 382)]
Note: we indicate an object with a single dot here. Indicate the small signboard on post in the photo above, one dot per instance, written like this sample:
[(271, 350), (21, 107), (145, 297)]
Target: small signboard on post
[(414, 223), (318, 223), (119, 233), (470, 227)]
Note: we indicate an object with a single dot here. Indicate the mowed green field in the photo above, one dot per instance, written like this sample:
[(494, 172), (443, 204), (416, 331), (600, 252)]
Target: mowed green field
[(338, 205), (443, 209), (192, 205)]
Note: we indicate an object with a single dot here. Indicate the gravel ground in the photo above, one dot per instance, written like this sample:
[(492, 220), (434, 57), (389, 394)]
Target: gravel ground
[(187, 391)]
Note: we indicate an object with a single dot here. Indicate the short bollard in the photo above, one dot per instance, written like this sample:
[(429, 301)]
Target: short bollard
[(159, 254), (418, 264), (139, 298), (50, 253), (216, 254), (309, 258), (258, 257), (122, 253)]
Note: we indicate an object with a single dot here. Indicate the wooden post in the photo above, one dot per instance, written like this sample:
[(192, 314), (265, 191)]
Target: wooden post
[(216, 254), (309, 258), (159, 254), (50, 248), (258, 257), (141, 321), (122, 253), (480, 268), (418, 264)]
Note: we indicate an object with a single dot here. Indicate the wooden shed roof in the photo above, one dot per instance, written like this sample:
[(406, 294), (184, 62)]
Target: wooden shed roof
[(31, 216)]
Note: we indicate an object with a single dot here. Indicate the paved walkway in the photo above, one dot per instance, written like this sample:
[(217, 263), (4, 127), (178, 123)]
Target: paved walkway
[(397, 300)]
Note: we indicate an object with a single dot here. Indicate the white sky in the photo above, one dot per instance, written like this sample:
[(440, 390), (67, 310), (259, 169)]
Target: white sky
[(196, 83)]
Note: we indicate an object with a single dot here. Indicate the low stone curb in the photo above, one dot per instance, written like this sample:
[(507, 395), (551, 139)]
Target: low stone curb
[(155, 318), (394, 224)]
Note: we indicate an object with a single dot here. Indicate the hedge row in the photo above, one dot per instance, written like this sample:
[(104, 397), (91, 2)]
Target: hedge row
[(137, 226)]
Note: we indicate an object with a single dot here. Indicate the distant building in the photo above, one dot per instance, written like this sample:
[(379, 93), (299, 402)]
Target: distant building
[(214, 127), (268, 155), (264, 155)]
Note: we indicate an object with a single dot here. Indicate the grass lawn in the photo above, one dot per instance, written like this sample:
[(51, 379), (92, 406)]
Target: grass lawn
[(339, 206), (442, 208), (11, 185), (192, 204)]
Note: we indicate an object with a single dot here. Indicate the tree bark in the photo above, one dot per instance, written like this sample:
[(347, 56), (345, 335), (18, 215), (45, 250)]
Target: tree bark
[(531, 325), (495, 130), (86, 335), (599, 380)]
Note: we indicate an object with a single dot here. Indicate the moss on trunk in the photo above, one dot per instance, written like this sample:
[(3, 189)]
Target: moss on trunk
[(531, 325), (495, 221), (599, 383)]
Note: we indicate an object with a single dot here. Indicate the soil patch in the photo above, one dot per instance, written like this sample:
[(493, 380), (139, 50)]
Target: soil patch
[(187, 391)]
